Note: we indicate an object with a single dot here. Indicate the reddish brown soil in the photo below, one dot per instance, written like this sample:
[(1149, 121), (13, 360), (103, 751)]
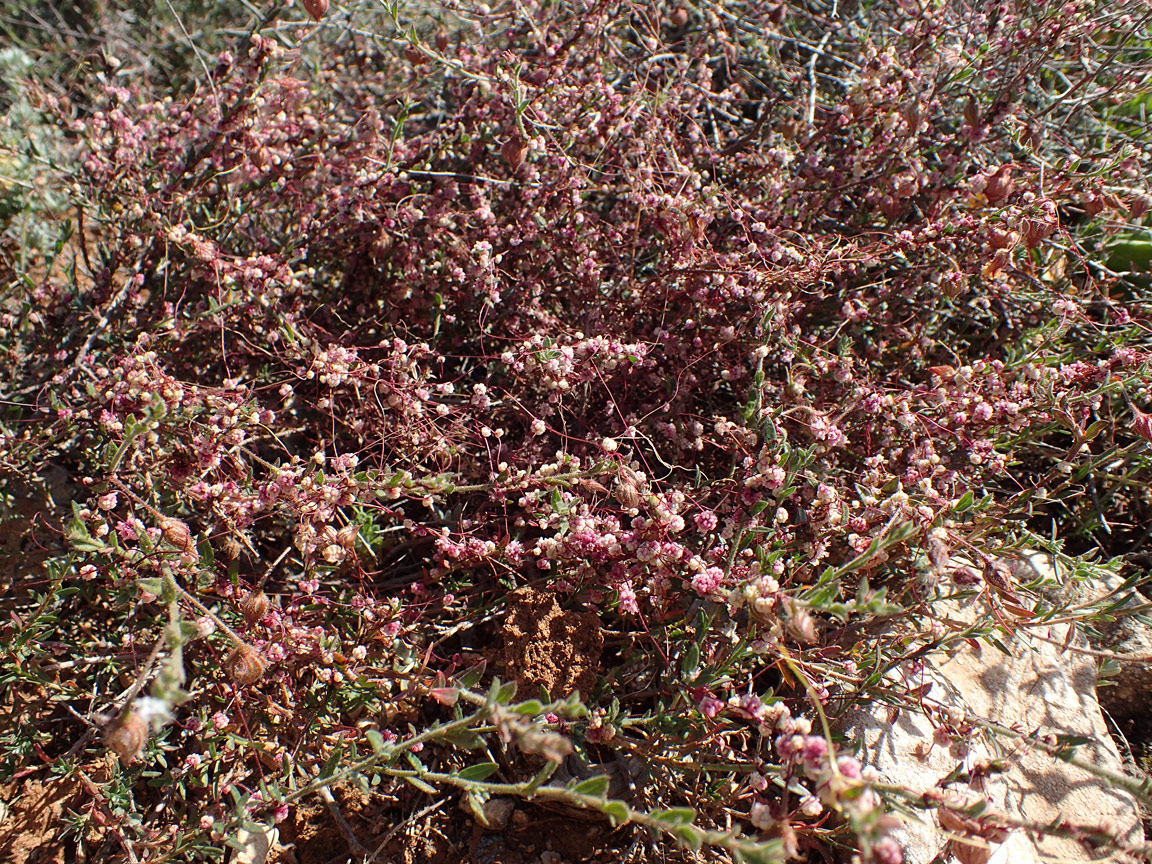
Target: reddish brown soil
[(443, 835), (31, 832)]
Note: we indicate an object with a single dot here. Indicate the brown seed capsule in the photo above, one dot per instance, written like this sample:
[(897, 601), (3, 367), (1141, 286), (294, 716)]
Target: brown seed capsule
[(346, 537), (999, 185), (245, 665), (998, 239), (627, 494), (441, 40), (1142, 423), (176, 532), (179, 535), (679, 17), (514, 150), (316, 8), (971, 112), (126, 736), (254, 606), (231, 548)]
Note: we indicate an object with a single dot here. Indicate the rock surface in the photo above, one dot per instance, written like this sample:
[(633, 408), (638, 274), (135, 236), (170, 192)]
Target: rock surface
[(1042, 688), (1128, 694)]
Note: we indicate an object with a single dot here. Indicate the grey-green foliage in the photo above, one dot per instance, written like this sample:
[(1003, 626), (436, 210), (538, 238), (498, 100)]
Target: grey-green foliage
[(29, 144)]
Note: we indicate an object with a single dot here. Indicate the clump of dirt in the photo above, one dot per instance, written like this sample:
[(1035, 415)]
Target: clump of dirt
[(545, 646)]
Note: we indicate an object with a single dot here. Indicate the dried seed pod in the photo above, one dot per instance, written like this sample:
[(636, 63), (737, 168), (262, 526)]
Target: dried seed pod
[(126, 736), (245, 665), (679, 17), (514, 150), (971, 112), (442, 40), (231, 548), (1142, 423), (998, 239), (316, 8), (627, 494), (346, 536), (254, 606), (999, 185), (179, 535)]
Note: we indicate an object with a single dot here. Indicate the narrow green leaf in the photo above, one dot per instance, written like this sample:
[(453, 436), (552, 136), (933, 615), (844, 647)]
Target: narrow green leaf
[(594, 787), (531, 708), (151, 585), (675, 816), (85, 543), (505, 693), (689, 835), (690, 664), (616, 811), (376, 740), (472, 677), (479, 771), (476, 805), (332, 764), (465, 739), (426, 788), (771, 852)]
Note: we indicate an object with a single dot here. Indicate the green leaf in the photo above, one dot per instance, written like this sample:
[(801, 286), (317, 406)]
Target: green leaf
[(332, 764), (182, 633), (771, 852), (1095, 429), (505, 692), (426, 788), (689, 835), (85, 542), (616, 811), (999, 645), (531, 708), (476, 805), (965, 502), (479, 771), (573, 707), (472, 677), (690, 664), (465, 739), (593, 787), (376, 740), (675, 816), (151, 585), (207, 555)]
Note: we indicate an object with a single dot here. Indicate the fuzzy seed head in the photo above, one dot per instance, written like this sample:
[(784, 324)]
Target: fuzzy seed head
[(245, 665), (126, 736), (254, 607), (179, 535)]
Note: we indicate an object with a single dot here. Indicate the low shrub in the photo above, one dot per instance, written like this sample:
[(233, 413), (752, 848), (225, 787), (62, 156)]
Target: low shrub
[(713, 333)]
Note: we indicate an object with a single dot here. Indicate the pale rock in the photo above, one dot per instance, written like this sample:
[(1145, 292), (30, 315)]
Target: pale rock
[(1126, 696), (1041, 688), (254, 844)]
